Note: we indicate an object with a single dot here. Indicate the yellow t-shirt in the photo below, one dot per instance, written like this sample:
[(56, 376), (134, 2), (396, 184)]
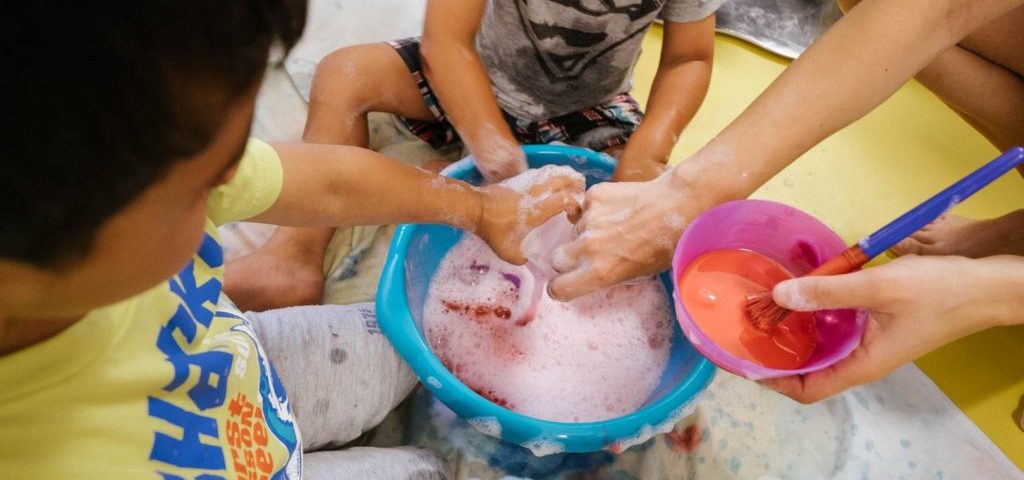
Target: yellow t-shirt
[(169, 384)]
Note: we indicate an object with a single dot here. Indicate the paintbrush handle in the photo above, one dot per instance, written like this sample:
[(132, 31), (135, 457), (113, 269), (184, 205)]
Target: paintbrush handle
[(851, 259), (925, 213)]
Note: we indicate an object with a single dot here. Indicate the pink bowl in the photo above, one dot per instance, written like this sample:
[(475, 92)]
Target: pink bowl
[(793, 238)]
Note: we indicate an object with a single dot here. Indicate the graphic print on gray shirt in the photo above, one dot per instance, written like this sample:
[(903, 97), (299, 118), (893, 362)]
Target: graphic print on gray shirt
[(551, 57)]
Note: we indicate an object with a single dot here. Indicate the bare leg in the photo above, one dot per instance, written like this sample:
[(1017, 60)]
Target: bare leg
[(955, 235), (982, 78), (349, 83)]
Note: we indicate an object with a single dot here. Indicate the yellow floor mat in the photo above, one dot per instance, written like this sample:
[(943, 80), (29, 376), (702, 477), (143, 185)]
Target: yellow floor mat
[(906, 150)]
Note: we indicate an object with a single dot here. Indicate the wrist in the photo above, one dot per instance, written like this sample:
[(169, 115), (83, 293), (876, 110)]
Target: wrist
[(649, 145), (475, 216), (689, 190), (485, 139), (1006, 288), (451, 202)]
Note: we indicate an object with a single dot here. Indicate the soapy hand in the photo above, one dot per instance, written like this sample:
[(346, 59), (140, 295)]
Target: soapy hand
[(512, 209), (916, 304), (628, 230), (500, 160)]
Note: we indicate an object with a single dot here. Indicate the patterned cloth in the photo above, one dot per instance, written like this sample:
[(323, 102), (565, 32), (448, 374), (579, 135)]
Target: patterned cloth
[(598, 128)]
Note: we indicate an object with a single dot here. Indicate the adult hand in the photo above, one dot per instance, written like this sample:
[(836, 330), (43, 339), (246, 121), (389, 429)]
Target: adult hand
[(916, 304), (627, 230)]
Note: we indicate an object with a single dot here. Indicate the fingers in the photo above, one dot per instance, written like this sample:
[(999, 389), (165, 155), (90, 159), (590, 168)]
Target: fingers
[(506, 163), (579, 275), (857, 369), (540, 211), (575, 184), (496, 173), (907, 246), (513, 254), (566, 257), (576, 283), (853, 290), (553, 205)]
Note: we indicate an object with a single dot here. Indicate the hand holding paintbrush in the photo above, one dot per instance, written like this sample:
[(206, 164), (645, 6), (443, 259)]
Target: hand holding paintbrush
[(765, 314)]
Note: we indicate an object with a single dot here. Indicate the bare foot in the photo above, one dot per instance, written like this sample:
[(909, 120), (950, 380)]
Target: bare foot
[(956, 235), (272, 278)]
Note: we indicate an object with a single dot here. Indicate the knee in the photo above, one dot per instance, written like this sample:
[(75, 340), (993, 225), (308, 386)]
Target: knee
[(847, 5), (340, 79)]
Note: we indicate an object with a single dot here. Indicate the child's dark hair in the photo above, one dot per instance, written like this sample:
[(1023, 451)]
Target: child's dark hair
[(101, 98)]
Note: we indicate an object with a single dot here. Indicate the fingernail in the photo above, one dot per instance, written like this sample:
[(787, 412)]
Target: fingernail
[(550, 293), (789, 294)]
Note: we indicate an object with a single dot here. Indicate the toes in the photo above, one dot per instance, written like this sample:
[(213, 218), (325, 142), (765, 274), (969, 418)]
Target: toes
[(908, 246)]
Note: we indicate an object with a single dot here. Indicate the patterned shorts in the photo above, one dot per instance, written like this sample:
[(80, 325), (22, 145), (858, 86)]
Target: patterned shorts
[(598, 128)]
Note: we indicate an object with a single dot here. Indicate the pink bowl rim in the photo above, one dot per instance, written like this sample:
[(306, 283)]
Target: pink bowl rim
[(720, 356)]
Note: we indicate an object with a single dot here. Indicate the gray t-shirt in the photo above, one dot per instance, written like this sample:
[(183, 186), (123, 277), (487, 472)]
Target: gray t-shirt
[(551, 57)]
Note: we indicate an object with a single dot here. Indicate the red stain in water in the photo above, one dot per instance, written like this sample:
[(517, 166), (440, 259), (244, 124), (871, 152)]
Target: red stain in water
[(490, 395), (503, 344), (479, 311), (714, 289), (685, 440)]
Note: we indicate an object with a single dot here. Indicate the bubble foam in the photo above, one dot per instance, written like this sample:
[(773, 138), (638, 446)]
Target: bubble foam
[(598, 357)]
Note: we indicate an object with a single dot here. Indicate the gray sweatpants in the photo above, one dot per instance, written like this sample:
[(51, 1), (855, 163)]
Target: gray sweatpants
[(342, 378)]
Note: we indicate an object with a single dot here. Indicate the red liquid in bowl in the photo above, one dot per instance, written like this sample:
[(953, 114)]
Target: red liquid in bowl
[(714, 288)]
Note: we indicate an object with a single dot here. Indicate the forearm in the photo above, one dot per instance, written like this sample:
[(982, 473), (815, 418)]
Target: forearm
[(862, 60), (1000, 290), (676, 95), (328, 185), (461, 83)]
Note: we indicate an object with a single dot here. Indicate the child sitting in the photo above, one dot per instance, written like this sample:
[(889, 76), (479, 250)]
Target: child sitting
[(125, 138), (493, 74)]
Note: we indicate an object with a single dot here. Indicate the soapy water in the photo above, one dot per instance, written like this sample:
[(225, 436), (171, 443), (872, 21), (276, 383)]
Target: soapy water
[(598, 357)]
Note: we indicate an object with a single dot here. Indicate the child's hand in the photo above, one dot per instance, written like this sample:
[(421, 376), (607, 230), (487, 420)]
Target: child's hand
[(499, 160), (508, 215), (916, 304), (627, 230)]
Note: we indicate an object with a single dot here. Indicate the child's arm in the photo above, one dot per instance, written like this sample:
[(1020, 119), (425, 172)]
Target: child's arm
[(329, 185), (679, 87), (460, 81), (858, 63)]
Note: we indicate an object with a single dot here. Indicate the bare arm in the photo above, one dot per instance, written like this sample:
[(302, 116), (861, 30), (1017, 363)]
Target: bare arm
[(857, 64), (459, 79), (679, 88), (849, 71), (331, 185)]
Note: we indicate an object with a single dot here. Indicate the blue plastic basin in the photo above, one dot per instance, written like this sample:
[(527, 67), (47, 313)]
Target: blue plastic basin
[(416, 251)]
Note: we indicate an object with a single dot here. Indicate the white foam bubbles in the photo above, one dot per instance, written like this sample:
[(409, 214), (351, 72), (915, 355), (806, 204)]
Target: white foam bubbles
[(486, 425), (542, 447), (523, 182), (592, 359), (647, 432)]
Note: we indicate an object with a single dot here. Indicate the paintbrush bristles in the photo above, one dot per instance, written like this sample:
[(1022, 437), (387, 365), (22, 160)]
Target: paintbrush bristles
[(763, 312)]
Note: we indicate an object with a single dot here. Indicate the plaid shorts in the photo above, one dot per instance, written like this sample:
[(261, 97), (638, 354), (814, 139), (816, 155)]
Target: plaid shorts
[(598, 128)]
